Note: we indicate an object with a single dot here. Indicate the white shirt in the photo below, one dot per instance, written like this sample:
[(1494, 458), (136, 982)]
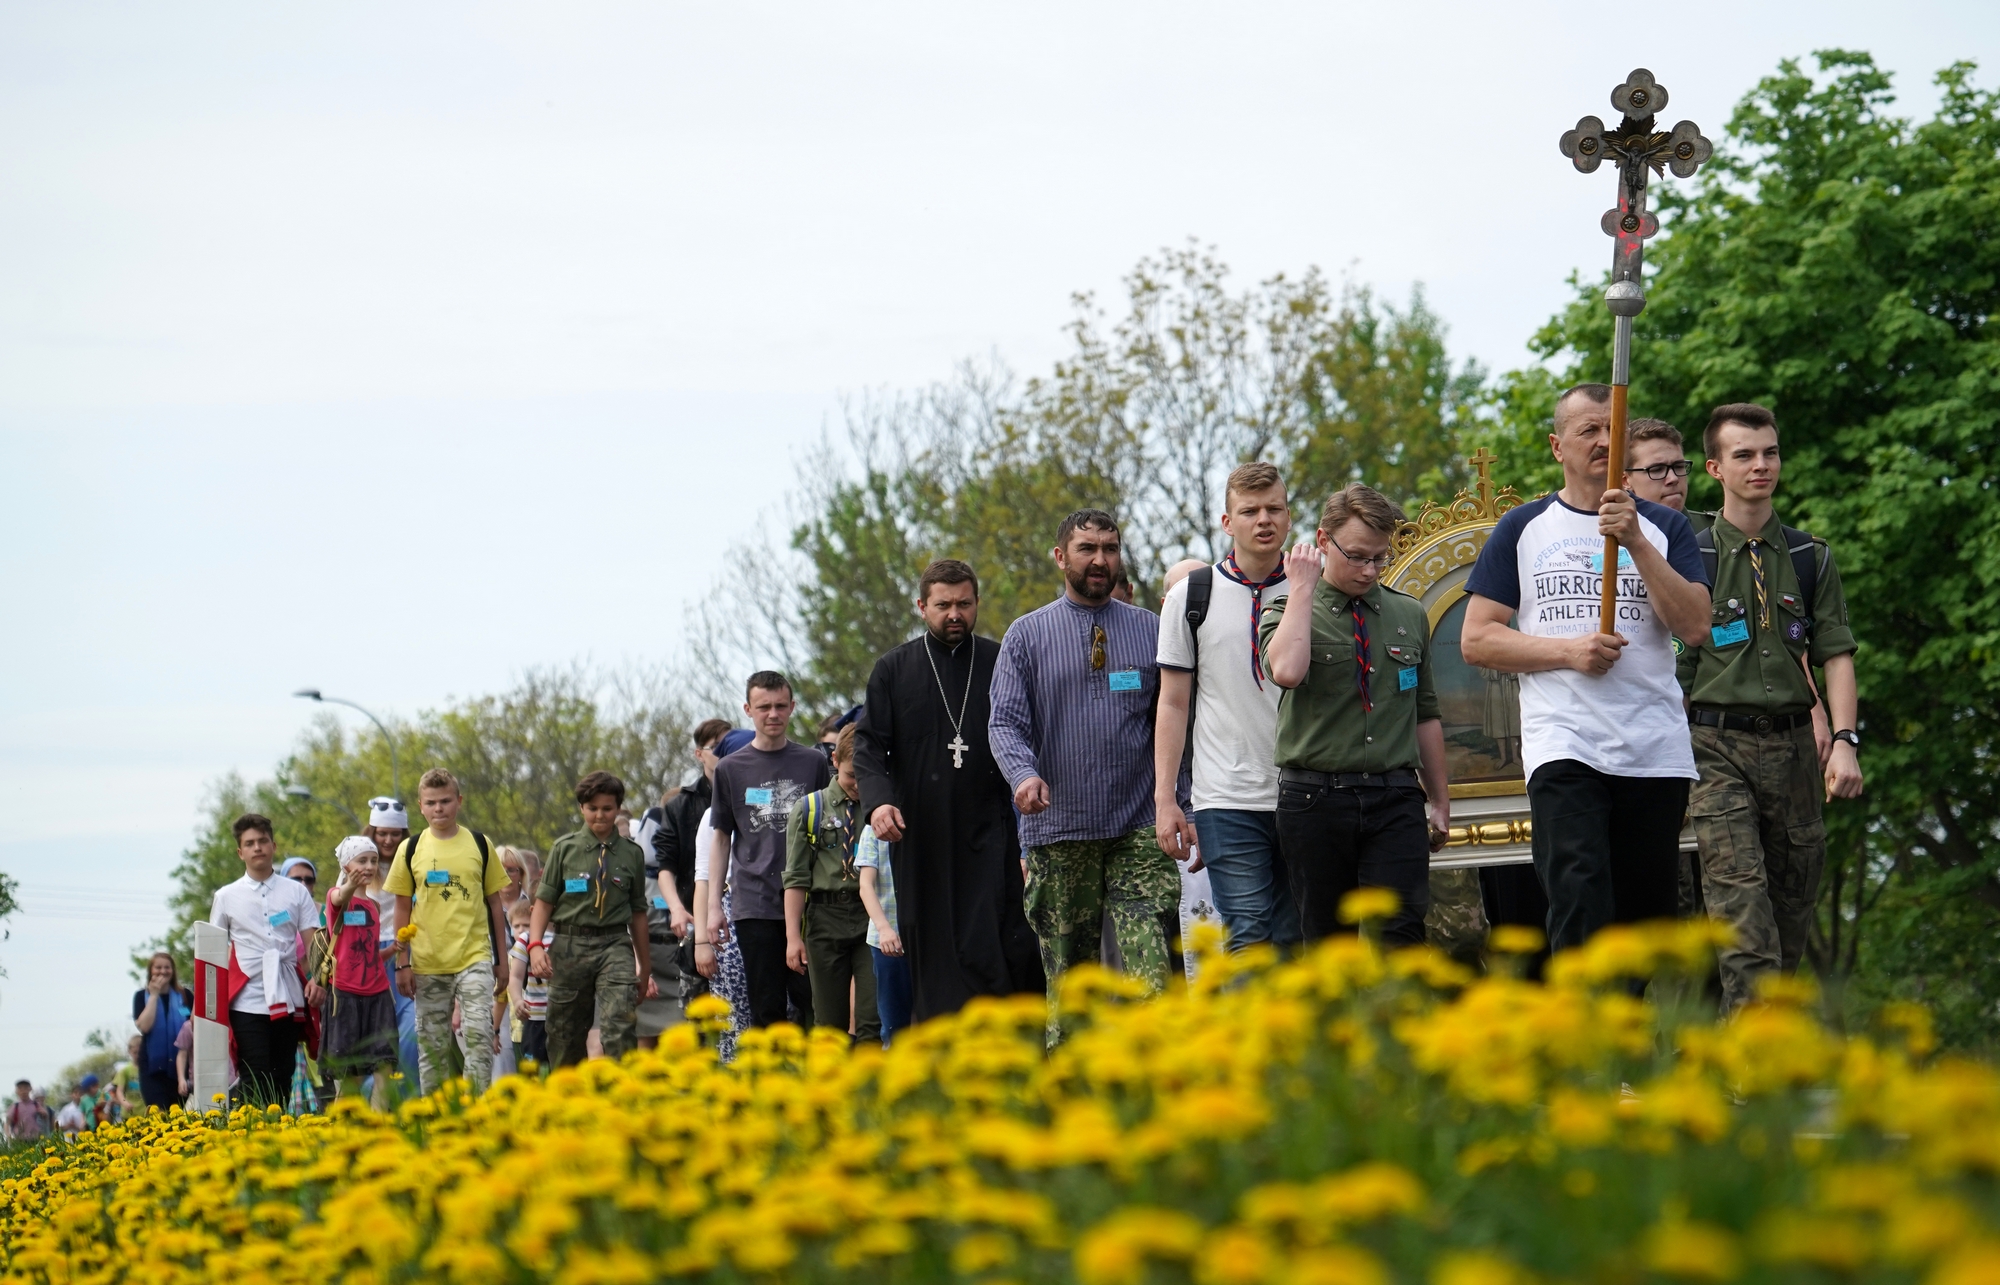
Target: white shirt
[(70, 1118), (704, 836), (264, 921), (1235, 717), (1545, 560)]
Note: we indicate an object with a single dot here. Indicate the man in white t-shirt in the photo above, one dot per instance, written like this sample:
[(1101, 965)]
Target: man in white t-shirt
[(1604, 737), (1219, 669), (264, 913)]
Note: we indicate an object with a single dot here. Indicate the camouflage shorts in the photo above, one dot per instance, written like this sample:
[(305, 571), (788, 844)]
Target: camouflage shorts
[(1756, 812), (592, 982), (1071, 887), (443, 1054)]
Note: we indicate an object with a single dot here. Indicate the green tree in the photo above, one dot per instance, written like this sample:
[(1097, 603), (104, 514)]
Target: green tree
[(10, 889), (1841, 265), (1144, 417)]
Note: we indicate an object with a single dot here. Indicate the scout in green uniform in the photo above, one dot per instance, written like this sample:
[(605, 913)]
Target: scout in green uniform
[(826, 926), (1357, 724), (1756, 808), (593, 893)]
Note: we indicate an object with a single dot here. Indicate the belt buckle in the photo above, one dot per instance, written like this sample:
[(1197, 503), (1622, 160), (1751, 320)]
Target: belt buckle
[(1762, 724)]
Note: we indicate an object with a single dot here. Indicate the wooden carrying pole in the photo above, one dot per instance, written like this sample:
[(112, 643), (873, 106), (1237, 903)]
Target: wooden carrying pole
[(1614, 463)]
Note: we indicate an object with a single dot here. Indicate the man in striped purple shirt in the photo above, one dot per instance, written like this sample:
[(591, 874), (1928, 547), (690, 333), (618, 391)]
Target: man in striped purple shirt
[(1072, 729)]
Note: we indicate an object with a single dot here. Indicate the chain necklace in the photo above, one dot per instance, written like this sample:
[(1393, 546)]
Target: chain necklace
[(958, 747)]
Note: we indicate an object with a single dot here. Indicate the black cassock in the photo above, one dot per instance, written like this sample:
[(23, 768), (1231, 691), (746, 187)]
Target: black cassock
[(958, 866)]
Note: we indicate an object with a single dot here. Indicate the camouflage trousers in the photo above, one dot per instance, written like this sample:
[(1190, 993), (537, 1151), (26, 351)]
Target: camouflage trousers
[(592, 982), (1756, 812), (443, 1054), (1071, 886)]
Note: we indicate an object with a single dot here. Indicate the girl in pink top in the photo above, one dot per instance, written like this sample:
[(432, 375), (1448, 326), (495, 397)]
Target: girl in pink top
[(359, 1033)]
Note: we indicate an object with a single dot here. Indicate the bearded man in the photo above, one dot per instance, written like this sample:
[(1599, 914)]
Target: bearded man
[(1073, 703), (930, 787)]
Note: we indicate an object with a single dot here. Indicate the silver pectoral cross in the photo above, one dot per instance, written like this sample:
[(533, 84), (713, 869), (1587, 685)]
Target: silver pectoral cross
[(958, 747)]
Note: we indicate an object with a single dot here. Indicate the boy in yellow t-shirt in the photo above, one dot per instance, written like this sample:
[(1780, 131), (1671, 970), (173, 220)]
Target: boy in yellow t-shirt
[(447, 886)]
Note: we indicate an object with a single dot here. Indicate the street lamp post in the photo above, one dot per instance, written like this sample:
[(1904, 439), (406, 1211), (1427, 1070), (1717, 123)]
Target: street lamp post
[(395, 770), (304, 794)]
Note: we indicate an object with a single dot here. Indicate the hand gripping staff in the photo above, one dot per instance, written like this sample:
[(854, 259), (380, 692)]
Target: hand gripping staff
[(1635, 146)]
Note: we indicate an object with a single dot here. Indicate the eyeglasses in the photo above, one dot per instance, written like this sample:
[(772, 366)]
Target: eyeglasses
[(1658, 472), (1097, 646), (1378, 562)]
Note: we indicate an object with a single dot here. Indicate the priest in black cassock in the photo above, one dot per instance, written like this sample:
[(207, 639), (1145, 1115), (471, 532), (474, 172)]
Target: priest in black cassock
[(929, 785)]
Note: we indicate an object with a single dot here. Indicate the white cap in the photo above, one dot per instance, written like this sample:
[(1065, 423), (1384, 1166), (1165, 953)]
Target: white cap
[(351, 847), (385, 813)]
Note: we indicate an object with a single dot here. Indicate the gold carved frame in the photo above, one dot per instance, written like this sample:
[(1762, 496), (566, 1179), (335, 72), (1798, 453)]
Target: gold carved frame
[(1432, 555)]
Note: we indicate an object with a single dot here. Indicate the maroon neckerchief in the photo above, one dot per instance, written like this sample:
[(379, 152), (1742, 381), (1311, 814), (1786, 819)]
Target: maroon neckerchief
[(1229, 568)]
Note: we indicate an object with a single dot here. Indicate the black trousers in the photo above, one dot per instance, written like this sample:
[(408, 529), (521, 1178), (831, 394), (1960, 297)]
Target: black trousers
[(1513, 895), (770, 982), (1335, 841), (160, 1089), (266, 1055), (1606, 847)]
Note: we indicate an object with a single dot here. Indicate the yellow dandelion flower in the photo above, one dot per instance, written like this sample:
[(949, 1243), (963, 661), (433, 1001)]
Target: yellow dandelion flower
[(1365, 904)]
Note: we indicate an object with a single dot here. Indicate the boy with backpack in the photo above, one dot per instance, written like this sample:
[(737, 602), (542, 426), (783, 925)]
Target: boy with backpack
[(826, 924), (447, 887)]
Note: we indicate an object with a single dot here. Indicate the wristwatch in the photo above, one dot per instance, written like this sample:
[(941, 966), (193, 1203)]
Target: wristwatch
[(1849, 735)]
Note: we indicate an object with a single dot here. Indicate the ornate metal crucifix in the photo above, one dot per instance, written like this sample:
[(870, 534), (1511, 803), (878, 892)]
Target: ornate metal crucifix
[(1636, 147)]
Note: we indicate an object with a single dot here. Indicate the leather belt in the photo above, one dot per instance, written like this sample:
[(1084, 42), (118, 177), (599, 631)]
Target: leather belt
[(1762, 724), (1400, 776), (834, 897), (591, 930)]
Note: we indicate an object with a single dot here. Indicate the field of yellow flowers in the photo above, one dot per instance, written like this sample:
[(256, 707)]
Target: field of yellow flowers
[(1344, 1117)]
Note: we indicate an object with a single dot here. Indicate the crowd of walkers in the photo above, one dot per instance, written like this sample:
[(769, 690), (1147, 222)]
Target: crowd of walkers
[(997, 812)]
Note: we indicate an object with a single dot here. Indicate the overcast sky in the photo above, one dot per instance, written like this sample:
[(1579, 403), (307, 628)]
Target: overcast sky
[(334, 338)]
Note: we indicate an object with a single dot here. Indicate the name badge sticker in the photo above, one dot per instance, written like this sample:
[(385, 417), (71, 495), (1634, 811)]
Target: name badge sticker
[(437, 878), (1731, 634), (659, 903), (576, 885), (280, 919), (1406, 679), (757, 798), (1125, 680), (355, 918)]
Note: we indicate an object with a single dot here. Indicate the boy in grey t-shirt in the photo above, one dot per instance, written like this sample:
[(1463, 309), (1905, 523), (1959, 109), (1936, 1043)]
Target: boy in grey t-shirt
[(755, 790)]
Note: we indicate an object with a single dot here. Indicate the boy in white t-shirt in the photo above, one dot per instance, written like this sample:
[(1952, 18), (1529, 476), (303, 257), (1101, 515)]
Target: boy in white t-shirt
[(1218, 670), (1604, 737)]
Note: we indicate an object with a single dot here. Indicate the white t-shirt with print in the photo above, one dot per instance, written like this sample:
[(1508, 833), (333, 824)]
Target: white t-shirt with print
[(1235, 715), (1545, 560)]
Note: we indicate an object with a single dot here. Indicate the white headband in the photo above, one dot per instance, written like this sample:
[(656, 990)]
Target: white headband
[(352, 848)]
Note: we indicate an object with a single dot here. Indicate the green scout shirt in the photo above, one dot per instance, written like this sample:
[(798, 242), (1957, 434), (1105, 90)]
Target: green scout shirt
[(593, 883), (1758, 672), (819, 842), (1322, 726)]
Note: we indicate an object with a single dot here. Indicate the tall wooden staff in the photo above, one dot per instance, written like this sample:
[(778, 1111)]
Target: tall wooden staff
[(1636, 147)]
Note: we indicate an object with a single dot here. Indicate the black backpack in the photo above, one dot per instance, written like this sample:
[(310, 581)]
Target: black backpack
[(1805, 562), (1201, 586), (409, 856)]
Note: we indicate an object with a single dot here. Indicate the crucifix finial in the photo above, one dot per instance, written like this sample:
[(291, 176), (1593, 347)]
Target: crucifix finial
[(1482, 462), (1636, 147)]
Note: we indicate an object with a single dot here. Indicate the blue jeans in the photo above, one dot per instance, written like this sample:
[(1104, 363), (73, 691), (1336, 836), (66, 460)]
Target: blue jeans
[(1246, 871), (892, 992), (406, 1026)]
